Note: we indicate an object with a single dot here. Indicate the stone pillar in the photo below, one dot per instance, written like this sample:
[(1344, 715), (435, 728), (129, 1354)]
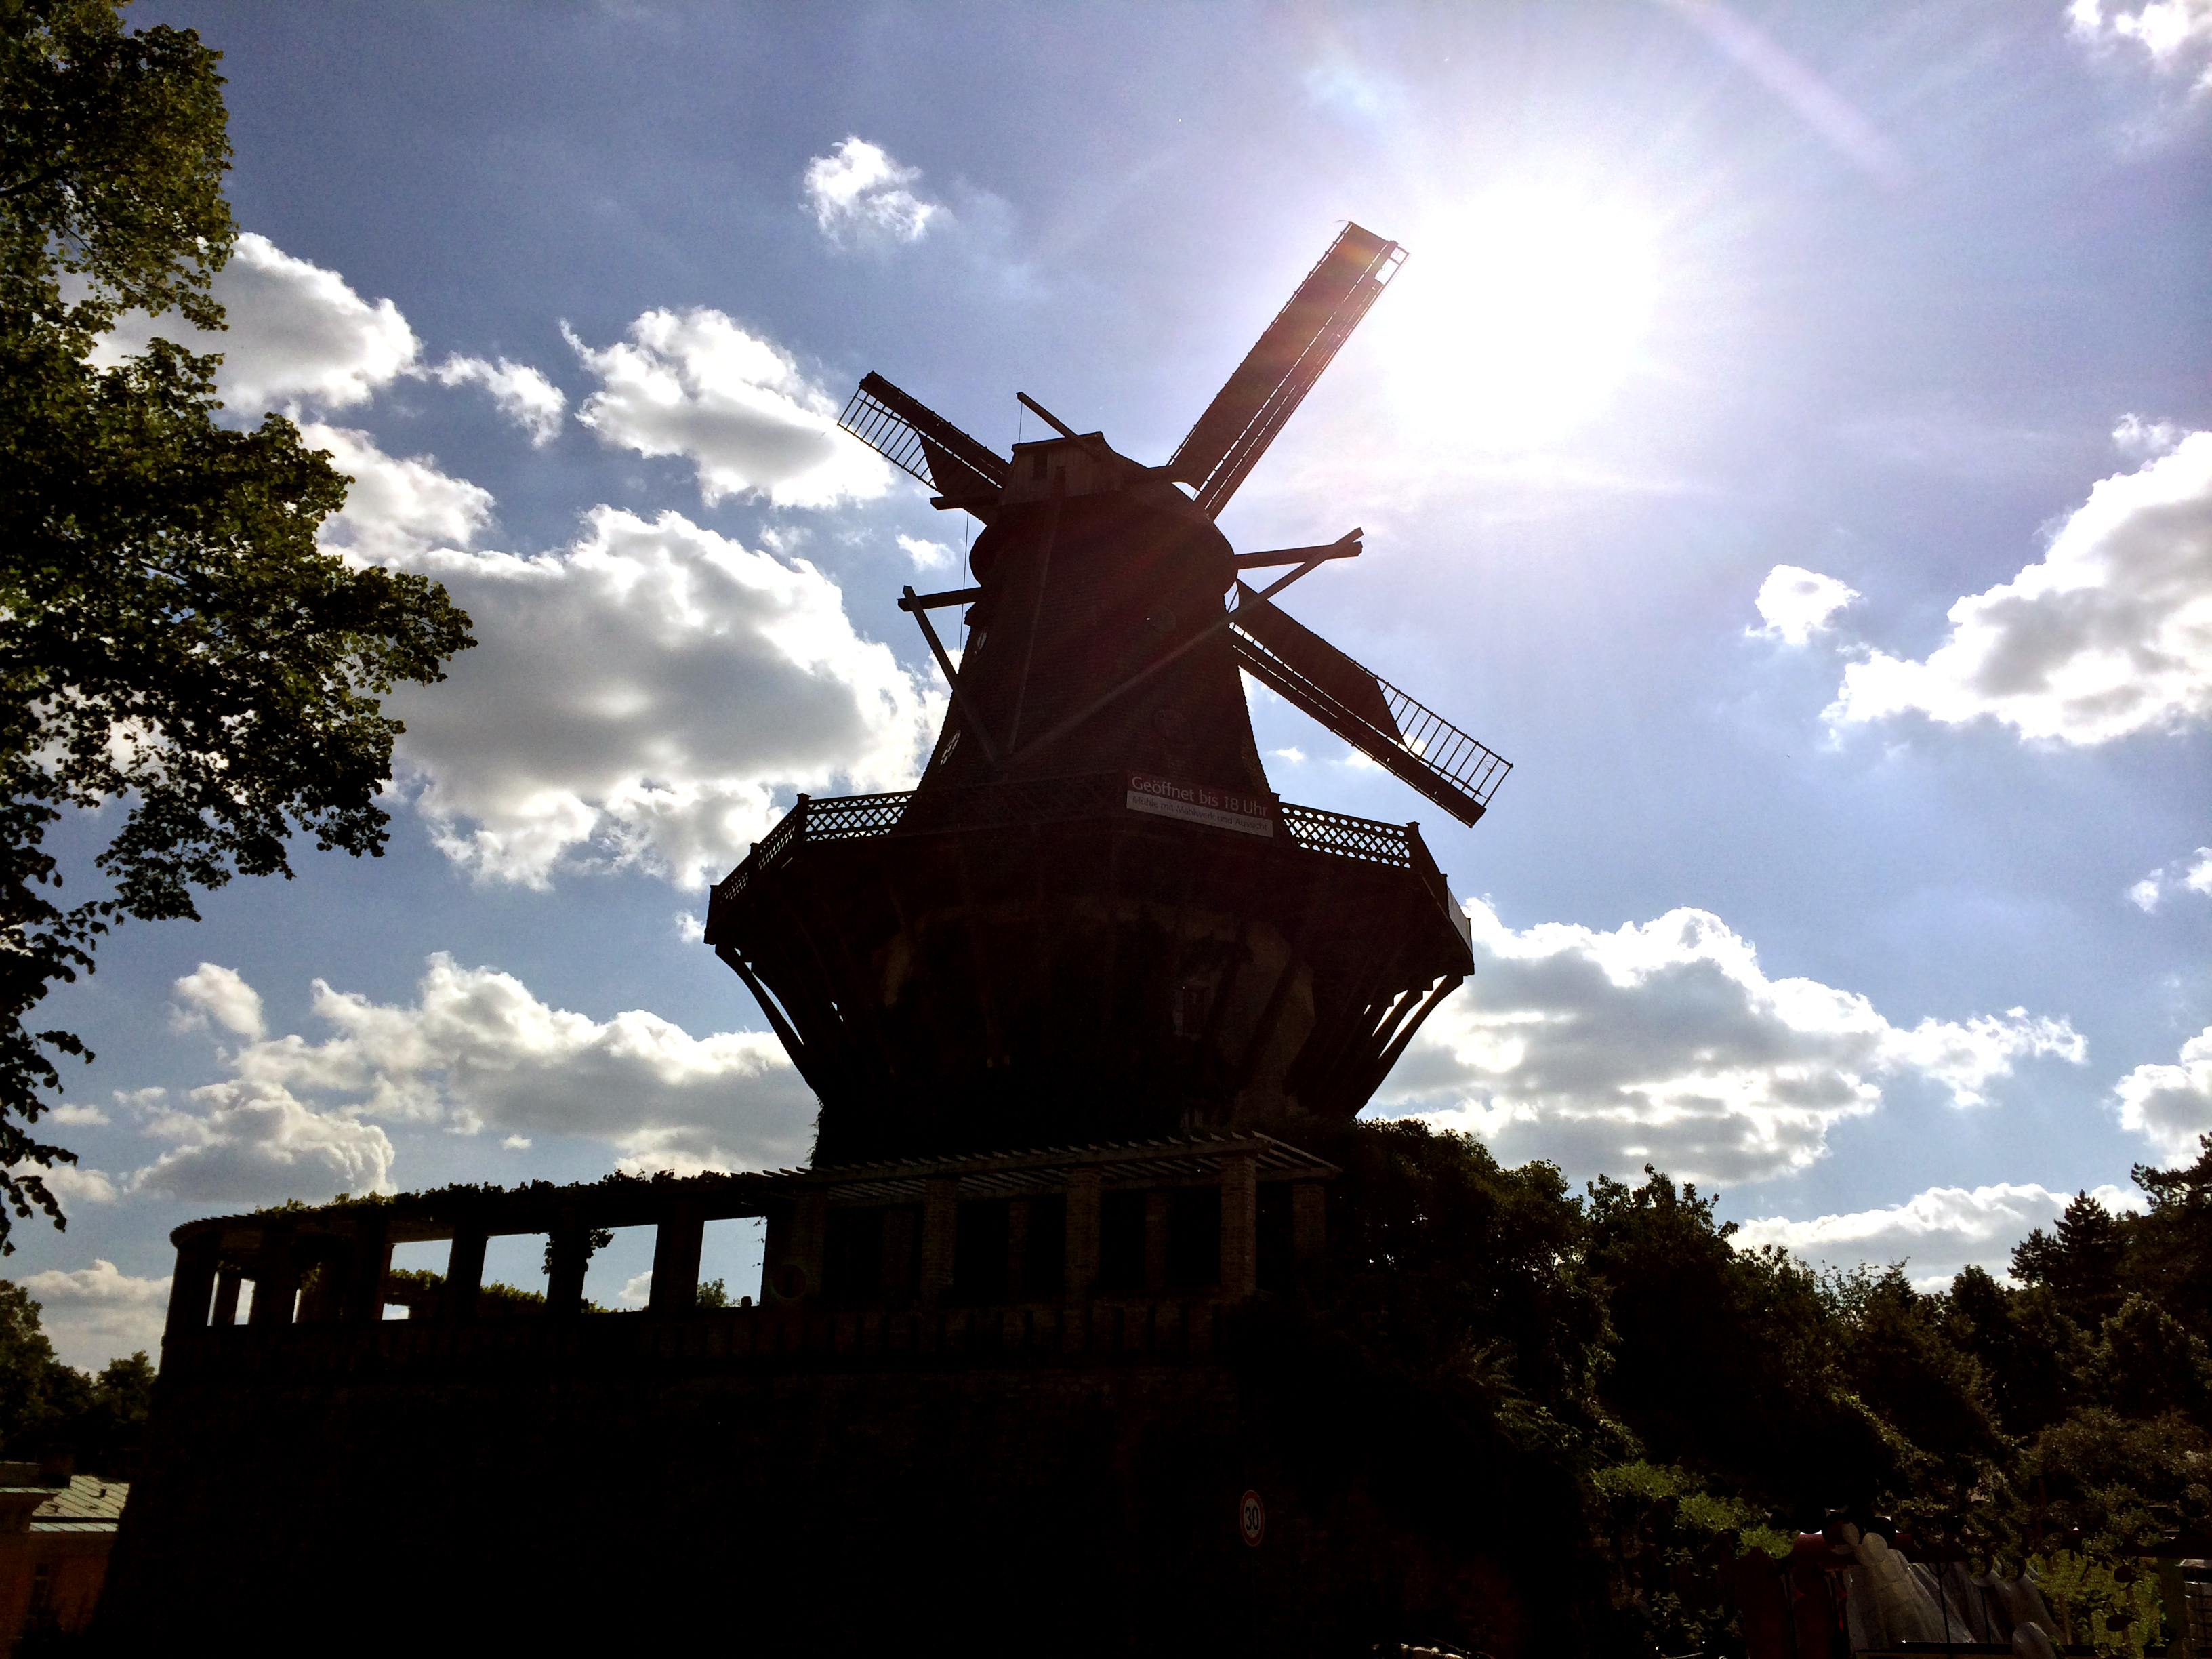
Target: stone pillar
[(1156, 1241), (197, 1258), (1239, 1214), (464, 1271), (227, 1286), (276, 1279), (897, 1264), (793, 1261), (1082, 1234), (362, 1298), (1017, 1248), (1309, 1231), (676, 1245), (564, 1285), (940, 1232)]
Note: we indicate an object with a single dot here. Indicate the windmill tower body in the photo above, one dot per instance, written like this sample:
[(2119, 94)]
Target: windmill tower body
[(1092, 919)]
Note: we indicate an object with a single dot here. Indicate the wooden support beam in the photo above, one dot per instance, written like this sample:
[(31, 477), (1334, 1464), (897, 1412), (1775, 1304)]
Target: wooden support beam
[(1347, 546)]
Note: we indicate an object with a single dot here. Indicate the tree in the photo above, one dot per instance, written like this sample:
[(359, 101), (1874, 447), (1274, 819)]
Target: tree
[(2078, 1260), (171, 636)]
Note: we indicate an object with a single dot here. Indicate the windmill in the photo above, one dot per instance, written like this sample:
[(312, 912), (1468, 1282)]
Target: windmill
[(1092, 917)]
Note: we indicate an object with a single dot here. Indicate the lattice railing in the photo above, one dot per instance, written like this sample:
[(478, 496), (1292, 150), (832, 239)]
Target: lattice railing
[(1316, 831), (1044, 800)]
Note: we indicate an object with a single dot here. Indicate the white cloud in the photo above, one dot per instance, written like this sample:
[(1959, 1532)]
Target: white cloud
[(693, 384), (1294, 755), (99, 1313), (298, 333), (1797, 603), (857, 191), (91, 1116), (2111, 634), (638, 1291), (518, 391), (1945, 1227), (213, 992), (72, 1183), (394, 509), (475, 1052), (2151, 891), (690, 927), (2143, 439), (248, 1143), (647, 690), (2170, 1106), (517, 1143), (1666, 1042), (926, 555), (2173, 35)]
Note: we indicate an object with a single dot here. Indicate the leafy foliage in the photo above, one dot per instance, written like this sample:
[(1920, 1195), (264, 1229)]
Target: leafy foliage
[(1694, 1402), (46, 1406), (170, 634)]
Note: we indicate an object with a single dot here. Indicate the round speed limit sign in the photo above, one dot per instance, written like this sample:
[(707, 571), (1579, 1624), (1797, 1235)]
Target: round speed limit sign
[(1252, 1518)]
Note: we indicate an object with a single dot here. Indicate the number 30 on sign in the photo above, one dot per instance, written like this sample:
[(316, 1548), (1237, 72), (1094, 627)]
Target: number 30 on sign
[(1252, 1518)]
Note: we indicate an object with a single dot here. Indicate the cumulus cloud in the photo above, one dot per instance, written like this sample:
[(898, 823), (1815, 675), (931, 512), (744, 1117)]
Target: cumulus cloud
[(648, 690), (72, 1183), (99, 1313), (1665, 1041), (2175, 36), (2180, 876), (213, 992), (395, 509), (2170, 1106), (1944, 1228), (2108, 635), (298, 334), (474, 1052), (926, 555), (695, 385), (858, 193), (1796, 604), (517, 391), (244, 1143)]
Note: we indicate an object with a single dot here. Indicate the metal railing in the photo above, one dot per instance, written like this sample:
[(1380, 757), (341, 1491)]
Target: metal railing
[(1045, 800)]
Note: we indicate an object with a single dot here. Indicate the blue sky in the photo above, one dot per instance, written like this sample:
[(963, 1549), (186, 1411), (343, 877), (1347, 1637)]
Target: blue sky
[(1787, 442)]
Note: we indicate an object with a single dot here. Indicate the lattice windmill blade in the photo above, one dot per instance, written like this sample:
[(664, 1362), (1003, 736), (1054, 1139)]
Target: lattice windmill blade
[(1278, 371), (1398, 733), (912, 436)]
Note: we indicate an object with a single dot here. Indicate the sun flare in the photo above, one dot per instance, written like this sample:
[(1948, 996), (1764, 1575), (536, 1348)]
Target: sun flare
[(1519, 315)]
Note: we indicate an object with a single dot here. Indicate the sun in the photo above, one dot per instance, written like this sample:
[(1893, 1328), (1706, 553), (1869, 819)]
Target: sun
[(1519, 315)]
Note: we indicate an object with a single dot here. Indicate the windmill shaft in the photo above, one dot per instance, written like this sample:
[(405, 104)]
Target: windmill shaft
[(1278, 371)]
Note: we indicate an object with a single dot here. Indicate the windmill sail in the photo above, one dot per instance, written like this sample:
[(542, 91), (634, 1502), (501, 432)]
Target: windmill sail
[(1374, 716), (1275, 376), (911, 435)]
